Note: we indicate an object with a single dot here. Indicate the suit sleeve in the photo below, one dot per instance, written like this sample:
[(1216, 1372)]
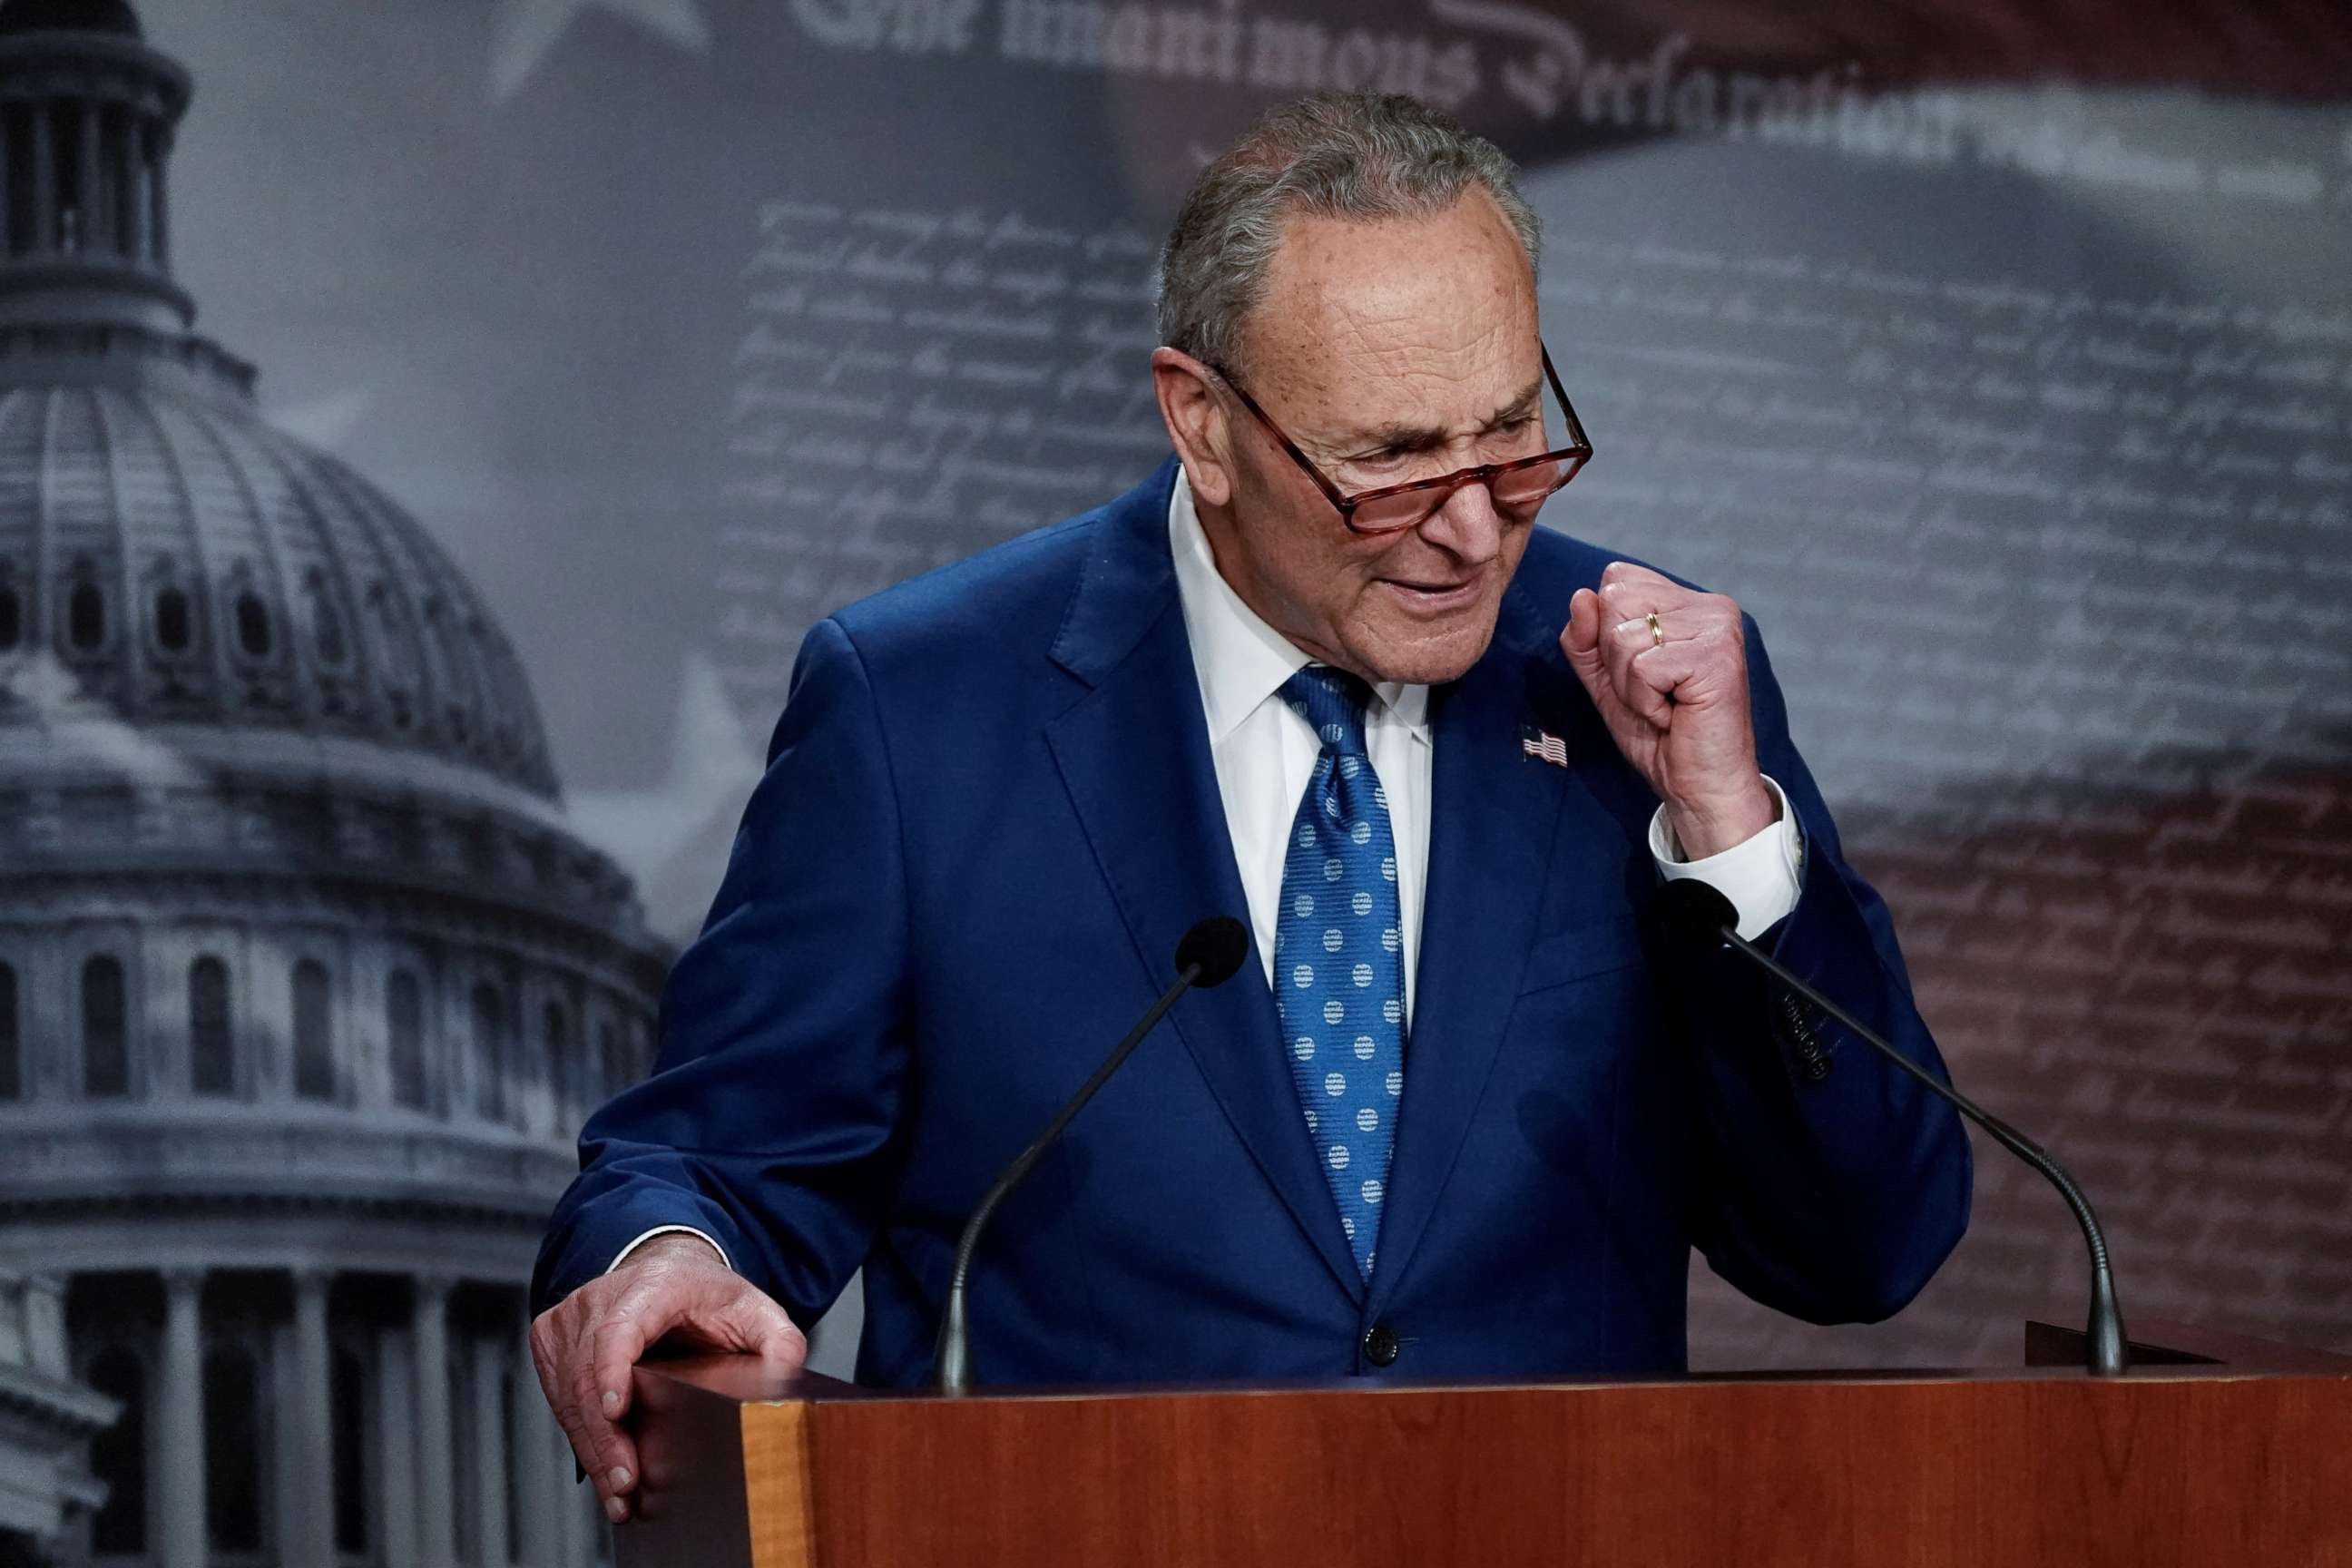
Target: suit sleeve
[(1832, 1185), (770, 1119)]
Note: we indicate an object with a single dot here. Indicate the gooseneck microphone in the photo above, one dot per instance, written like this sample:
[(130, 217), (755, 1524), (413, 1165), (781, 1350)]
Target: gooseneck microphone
[(1209, 956), (1698, 914)]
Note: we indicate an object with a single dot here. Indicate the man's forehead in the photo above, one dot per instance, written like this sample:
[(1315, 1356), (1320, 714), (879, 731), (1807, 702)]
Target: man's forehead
[(1448, 296)]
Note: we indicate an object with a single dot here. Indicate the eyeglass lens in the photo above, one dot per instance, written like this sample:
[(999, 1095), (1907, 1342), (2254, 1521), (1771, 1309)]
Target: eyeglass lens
[(1516, 490)]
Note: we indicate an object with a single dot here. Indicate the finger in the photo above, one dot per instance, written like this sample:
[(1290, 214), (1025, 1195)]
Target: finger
[(1636, 672), (619, 1339), (610, 1456), (546, 1347), (580, 1432), (763, 1327), (1624, 576), (730, 1325), (1632, 593), (548, 1359), (1634, 636), (1621, 642), (1700, 669), (1661, 674), (618, 1342), (1638, 592), (1631, 598)]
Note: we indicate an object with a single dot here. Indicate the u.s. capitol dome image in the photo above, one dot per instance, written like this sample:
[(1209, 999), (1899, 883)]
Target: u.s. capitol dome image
[(305, 983)]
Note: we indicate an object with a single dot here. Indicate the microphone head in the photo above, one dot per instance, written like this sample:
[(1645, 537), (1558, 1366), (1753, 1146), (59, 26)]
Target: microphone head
[(1695, 913), (1218, 945)]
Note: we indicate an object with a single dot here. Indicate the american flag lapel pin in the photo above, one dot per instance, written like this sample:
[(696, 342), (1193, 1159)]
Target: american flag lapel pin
[(1543, 744)]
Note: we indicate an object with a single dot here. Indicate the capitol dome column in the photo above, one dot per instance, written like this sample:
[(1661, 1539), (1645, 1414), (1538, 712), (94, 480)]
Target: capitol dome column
[(538, 1492), (180, 1435), (314, 1449), (437, 1508), (89, 225), (489, 1417), (159, 232), (45, 181), (395, 1500)]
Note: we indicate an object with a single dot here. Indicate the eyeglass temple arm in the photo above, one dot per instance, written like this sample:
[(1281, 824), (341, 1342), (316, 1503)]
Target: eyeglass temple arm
[(1306, 464)]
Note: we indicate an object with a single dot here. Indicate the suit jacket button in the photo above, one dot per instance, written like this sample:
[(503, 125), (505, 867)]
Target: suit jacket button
[(1382, 1345)]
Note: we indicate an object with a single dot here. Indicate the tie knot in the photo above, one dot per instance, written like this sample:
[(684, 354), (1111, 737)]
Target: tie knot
[(1333, 701)]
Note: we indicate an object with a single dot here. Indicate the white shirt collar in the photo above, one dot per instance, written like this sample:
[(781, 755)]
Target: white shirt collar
[(1241, 660)]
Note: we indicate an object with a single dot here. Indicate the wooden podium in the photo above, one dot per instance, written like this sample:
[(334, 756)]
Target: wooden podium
[(2213, 1452)]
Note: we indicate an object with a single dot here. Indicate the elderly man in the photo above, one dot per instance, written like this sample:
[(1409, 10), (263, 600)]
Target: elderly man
[(1465, 1114)]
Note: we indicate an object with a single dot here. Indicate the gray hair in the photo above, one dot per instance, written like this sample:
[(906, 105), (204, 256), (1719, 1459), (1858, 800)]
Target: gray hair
[(1350, 155)]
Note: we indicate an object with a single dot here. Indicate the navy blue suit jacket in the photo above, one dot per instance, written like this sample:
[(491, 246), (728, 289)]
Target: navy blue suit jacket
[(988, 815)]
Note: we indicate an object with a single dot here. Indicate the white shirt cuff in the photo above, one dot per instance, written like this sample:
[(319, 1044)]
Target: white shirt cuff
[(1760, 875), (664, 1231)]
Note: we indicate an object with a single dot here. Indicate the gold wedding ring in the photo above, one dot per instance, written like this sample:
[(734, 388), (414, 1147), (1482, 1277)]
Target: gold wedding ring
[(1657, 633)]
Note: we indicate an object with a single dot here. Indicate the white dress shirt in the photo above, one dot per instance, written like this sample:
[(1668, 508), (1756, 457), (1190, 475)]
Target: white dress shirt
[(1265, 753)]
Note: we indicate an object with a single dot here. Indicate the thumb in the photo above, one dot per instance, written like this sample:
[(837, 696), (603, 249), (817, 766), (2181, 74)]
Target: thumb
[(1580, 641), (736, 1316), (752, 1321)]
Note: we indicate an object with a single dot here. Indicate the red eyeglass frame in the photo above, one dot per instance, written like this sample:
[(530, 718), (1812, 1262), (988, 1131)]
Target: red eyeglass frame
[(1575, 455)]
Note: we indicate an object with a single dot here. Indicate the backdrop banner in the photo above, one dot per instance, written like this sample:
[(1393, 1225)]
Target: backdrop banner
[(428, 430)]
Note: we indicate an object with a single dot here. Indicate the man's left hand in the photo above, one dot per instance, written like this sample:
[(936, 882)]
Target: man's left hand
[(1674, 700)]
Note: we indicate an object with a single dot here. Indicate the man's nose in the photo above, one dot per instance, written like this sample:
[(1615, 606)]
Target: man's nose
[(1467, 526)]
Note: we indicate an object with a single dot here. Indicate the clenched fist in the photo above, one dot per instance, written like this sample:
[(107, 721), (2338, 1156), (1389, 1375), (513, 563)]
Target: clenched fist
[(1667, 668), (585, 1344)]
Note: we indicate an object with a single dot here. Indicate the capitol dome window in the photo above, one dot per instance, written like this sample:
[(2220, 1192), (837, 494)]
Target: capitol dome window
[(399, 654), (557, 1032), (12, 1067), (489, 1054), (118, 1455), (86, 618), (233, 1447), (252, 624), (105, 1043), (173, 630), (456, 714), (314, 1054), (326, 626), (404, 1006), (12, 618), (212, 1052)]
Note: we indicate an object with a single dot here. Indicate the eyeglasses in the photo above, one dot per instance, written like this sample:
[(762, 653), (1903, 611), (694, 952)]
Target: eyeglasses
[(1519, 488)]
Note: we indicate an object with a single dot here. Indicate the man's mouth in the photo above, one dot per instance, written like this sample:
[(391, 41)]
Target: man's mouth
[(1432, 596)]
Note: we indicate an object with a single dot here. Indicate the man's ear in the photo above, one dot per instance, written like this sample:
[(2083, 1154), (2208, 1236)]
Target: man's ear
[(1196, 423)]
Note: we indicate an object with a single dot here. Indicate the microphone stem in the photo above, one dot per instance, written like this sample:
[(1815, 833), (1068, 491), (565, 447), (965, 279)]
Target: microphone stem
[(954, 1356), (2106, 1351)]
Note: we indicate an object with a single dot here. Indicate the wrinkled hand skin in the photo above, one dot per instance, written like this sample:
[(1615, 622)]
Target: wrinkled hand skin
[(1677, 709), (585, 1344)]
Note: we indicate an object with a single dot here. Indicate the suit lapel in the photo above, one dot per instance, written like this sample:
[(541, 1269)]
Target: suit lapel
[(1134, 754), (1493, 816)]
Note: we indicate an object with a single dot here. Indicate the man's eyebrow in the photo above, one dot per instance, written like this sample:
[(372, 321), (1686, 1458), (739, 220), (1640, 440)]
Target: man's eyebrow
[(1401, 437)]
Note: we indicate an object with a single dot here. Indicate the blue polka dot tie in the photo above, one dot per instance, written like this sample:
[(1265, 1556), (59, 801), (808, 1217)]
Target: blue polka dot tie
[(1338, 957)]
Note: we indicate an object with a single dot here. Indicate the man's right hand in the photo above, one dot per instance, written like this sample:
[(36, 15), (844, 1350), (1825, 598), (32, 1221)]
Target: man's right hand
[(585, 1344)]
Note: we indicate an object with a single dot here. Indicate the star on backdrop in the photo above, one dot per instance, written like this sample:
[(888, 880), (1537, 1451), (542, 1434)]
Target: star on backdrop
[(525, 30)]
